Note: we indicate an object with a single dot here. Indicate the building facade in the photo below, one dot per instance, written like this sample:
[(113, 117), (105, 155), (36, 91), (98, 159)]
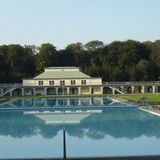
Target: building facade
[(71, 81), (62, 81)]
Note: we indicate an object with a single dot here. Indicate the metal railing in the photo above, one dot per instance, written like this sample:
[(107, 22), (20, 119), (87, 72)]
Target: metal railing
[(10, 85), (130, 83)]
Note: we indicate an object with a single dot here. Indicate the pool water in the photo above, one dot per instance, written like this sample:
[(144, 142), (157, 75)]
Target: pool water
[(116, 131), (62, 102)]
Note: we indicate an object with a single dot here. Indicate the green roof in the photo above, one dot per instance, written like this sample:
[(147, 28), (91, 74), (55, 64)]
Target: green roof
[(62, 75)]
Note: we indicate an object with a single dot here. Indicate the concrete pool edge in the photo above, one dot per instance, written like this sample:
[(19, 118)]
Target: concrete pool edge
[(147, 157)]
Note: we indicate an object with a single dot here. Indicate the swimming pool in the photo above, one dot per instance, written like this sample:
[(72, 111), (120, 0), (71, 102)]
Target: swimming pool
[(116, 131), (44, 104)]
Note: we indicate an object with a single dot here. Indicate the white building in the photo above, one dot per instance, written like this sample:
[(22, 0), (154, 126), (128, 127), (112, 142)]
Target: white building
[(62, 81)]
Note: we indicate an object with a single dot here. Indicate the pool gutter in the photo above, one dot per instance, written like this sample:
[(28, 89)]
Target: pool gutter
[(148, 111)]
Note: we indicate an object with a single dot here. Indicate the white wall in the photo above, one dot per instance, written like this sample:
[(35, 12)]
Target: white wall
[(91, 81), (96, 81), (29, 82)]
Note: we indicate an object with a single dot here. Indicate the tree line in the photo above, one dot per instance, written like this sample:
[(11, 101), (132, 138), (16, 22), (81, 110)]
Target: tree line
[(118, 61)]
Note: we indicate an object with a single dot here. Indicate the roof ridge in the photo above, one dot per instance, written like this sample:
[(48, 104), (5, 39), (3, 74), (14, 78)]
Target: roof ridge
[(65, 67), (62, 75)]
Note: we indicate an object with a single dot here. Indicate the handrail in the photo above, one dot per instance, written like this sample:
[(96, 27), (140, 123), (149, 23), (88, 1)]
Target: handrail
[(119, 91), (10, 84), (11, 89), (131, 82)]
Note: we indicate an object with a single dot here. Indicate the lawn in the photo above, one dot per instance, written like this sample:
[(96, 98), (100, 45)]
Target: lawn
[(149, 98)]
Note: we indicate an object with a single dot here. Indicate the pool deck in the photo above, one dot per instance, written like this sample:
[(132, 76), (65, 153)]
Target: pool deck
[(153, 157)]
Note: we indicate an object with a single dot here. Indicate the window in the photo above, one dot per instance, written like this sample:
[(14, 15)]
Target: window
[(62, 83), (40, 83), (83, 81), (73, 82), (51, 83)]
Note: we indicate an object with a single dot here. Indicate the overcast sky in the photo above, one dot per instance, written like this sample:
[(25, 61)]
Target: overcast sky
[(62, 22)]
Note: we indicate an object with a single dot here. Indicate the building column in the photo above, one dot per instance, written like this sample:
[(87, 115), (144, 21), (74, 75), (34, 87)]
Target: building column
[(45, 91), (68, 88), (79, 90), (143, 89), (153, 89), (90, 90), (132, 89), (113, 91), (22, 90), (101, 90), (10, 92)]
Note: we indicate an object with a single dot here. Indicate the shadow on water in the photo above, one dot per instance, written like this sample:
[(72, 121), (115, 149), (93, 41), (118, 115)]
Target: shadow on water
[(129, 123)]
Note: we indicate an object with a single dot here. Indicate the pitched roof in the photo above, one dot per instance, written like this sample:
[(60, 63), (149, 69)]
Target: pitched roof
[(68, 67), (75, 74)]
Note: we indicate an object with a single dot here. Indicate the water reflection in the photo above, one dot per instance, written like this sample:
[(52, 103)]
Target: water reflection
[(55, 102), (118, 123)]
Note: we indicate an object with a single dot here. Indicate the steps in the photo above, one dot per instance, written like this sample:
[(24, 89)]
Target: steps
[(113, 88), (9, 90)]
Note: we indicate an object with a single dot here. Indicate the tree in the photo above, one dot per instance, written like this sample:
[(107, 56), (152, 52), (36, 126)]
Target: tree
[(16, 58), (46, 56), (30, 66), (4, 64), (77, 52), (142, 70), (75, 47), (154, 49), (65, 58), (117, 61), (95, 44)]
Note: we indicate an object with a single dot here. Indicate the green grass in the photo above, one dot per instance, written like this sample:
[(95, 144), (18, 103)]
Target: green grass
[(149, 98)]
